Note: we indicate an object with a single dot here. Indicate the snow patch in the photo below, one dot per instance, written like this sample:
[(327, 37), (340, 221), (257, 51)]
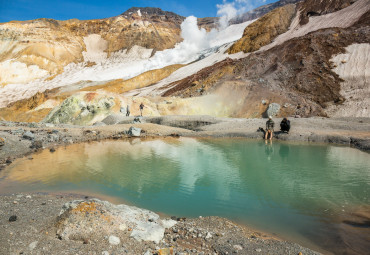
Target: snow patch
[(12, 71), (354, 68)]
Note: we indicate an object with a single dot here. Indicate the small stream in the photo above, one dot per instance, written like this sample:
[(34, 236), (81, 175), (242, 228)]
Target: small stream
[(312, 194)]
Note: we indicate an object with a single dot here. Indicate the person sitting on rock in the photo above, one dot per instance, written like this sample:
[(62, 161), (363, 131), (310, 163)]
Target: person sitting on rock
[(285, 125), (269, 128)]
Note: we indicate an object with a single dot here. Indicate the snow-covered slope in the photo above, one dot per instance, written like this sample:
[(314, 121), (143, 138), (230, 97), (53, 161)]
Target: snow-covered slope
[(125, 64), (354, 68), (343, 18)]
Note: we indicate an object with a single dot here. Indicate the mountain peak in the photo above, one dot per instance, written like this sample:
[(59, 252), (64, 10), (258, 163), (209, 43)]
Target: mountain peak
[(149, 11)]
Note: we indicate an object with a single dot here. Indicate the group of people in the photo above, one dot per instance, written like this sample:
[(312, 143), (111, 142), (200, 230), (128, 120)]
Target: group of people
[(128, 110), (270, 124)]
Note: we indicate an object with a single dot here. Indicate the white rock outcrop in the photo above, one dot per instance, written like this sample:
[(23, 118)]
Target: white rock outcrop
[(84, 219)]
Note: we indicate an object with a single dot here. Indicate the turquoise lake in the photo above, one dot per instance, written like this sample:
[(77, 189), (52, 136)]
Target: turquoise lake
[(306, 193)]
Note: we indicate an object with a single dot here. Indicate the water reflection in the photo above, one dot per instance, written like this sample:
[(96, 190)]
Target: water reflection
[(284, 152), (286, 188)]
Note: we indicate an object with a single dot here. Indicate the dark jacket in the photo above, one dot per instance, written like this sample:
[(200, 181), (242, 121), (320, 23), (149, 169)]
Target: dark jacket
[(285, 125)]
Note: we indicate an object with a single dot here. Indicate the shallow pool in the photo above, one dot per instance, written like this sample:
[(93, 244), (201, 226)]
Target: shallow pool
[(300, 192)]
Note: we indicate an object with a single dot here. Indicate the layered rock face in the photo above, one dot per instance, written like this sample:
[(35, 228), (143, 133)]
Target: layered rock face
[(265, 29), (35, 49), (262, 10), (38, 48)]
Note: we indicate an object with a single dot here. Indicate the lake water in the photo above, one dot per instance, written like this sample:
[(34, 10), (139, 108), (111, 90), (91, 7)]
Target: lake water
[(301, 192)]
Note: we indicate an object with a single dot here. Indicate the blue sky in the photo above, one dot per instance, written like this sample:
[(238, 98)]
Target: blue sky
[(96, 9)]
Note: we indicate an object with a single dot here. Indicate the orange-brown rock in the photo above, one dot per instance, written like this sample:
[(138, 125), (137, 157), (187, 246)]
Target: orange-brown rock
[(145, 79), (25, 110), (264, 30)]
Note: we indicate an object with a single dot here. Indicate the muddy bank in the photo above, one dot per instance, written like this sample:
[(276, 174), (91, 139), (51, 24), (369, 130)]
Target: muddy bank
[(33, 224)]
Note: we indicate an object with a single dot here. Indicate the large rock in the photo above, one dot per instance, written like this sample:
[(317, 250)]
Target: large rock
[(79, 220), (82, 109), (28, 135), (133, 131), (2, 141), (36, 145), (273, 109)]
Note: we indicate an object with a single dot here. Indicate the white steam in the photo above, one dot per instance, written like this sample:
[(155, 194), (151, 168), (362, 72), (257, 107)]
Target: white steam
[(195, 40), (229, 10)]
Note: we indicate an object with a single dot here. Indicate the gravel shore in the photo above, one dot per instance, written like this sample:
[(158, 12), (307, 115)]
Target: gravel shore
[(29, 225)]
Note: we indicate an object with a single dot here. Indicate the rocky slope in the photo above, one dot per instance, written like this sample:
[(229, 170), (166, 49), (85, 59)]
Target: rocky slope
[(265, 29), (38, 48), (305, 58), (262, 10), (311, 8), (296, 70)]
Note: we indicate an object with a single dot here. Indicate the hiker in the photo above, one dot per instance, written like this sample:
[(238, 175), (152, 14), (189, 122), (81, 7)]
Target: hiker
[(128, 111), (285, 125), (269, 128), (141, 109)]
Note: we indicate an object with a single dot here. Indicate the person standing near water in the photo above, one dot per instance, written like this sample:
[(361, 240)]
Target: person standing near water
[(141, 109), (128, 111), (269, 128)]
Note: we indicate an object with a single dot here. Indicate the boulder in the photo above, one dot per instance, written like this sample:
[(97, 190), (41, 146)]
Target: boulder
[(12, 218), (273, 109), (53, 138), (133, 131), (2, 141), (28, 135), (165, 251), (82, 108), (36, 145), (94, 219)]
